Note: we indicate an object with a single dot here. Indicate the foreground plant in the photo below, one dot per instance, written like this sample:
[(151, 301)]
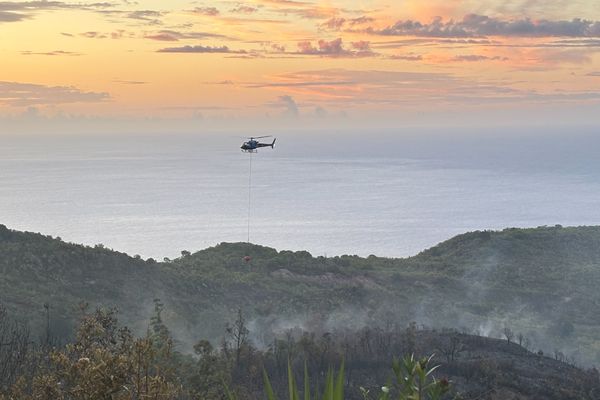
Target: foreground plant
[(334, 385), (414, 381), (104, 362), (413, 376)]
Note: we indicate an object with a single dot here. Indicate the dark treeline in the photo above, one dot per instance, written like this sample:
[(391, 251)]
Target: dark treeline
[(104, 360)]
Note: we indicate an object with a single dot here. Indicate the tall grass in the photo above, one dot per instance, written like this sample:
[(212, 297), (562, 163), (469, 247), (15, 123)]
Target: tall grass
[(414, 381), (333, 390)]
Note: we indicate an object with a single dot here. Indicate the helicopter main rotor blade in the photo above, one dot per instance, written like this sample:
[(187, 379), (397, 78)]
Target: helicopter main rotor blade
[(259, 137)]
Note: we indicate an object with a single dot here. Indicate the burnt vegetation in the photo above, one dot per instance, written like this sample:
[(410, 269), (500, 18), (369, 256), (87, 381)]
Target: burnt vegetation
[(510, 314), (105, 360)]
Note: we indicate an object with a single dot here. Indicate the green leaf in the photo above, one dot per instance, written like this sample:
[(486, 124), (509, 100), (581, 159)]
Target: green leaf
[(291, 382), (339, 384), (328, 392), (268, 387), (228, 393), (306, 382), (432, 370)]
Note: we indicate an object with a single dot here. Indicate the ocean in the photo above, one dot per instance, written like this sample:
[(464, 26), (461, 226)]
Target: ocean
[(390, 194)]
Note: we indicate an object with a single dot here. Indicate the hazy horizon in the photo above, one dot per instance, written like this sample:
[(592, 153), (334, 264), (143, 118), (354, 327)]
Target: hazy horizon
[(388, 193)]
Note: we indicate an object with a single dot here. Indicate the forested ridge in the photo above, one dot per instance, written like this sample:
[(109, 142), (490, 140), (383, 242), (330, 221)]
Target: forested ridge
[(540, 283)]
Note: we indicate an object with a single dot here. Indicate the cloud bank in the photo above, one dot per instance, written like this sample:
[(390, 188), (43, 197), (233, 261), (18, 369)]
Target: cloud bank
[(201, 49), (474, 25), (17, 94)]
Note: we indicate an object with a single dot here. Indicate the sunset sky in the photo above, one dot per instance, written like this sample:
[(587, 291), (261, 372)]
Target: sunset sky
[(277, 60)]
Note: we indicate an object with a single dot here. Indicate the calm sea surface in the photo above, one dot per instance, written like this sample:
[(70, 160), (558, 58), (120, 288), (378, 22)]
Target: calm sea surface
[(330, 195)]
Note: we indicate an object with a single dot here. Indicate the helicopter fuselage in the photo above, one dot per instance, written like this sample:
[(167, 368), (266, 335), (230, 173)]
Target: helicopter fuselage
[(252, 145)]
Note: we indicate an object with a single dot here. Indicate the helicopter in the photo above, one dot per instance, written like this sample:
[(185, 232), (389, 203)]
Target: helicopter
[(252, 145)]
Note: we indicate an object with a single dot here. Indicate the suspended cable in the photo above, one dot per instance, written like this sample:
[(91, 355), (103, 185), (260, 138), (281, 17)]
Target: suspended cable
[(249, 196), (251, 147)]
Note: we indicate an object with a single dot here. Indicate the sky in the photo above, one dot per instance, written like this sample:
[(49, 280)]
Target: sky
[(139, 64)]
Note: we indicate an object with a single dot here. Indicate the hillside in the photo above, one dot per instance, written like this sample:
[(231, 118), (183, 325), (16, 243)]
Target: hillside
[(540, 282), (477, 367)]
